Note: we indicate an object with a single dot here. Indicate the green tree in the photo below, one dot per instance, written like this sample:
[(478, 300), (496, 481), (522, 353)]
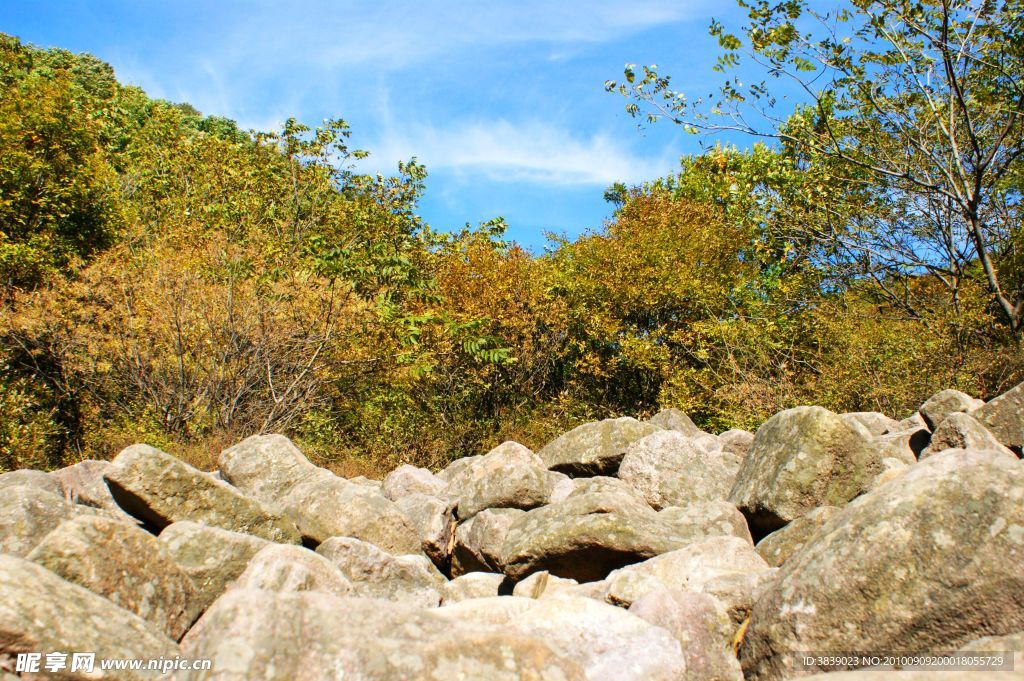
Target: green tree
[(920, 102)]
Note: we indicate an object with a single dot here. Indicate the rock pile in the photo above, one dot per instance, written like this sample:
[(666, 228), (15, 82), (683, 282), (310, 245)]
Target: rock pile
[(622, 550)]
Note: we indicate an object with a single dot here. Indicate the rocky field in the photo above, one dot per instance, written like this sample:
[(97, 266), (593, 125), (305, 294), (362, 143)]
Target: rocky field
[(622, 550)]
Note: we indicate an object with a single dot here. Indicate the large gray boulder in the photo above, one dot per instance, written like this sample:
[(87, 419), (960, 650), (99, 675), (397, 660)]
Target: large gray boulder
[(407, 479), (471, 585), (273, 470), (509, 476), (374, 573), (126, 565), (27, 514), (478, 541), (83, 483), (434, 520), (778, 546), (26, 477), (706, 519), (690, 567), (904, 445), (926, 562), (677, 420), (702, 627), (287, 568), (212, 557), (543, 584), (585, 537), (321, 637), (40, 612), (736, 442), (159, 489), (875, 422), (609, 643), (668, 469), (943, 403), (594, 448), (802, 458), (960, 431), (456, 467), (1004, 418)]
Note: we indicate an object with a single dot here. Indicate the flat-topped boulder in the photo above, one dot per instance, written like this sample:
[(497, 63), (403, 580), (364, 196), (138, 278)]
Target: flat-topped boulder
[(322, 637), (126, 565), (40, 612), (271, 469), (27, 514), (375, 573), (159, 489), (594, 448), (212, 557), (670, 469), (585, 537)]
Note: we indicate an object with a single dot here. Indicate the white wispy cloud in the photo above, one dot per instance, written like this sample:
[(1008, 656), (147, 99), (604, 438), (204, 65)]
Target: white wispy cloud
[(394, 33), (529, 151)]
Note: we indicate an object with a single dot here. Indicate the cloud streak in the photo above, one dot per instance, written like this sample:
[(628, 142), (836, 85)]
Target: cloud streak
[(530, 151)]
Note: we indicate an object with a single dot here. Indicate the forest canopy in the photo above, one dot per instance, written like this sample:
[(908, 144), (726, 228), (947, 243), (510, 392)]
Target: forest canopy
[(171, 278)]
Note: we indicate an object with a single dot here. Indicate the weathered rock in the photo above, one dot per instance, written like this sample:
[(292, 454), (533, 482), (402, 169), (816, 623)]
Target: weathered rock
[(456, 467), (478, 540), (584, 537), (288, 568), (736, 442), (594, 448), (677, 420), (322, 505), (1003, 416), (27, 514), (509, 476), (159, 489), (778, 546), (321, 637), (604, 484), (910, 423), (83, 483), (943, 403), (738, 591), (960, 431), (126, 565), (802, 458), (668, 469), (607, 642), (687, 568), (434, 520), (40, 612), (905, 445), (27, 477), (702, 627), (706, 519), (541, 584), (876, 423), (471, 585), (406, 480), (891, 469), (212, 557), (952, 528), (373, 573), (367, 482)]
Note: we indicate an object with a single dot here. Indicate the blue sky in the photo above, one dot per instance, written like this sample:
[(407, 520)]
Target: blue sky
[(502, 101)]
